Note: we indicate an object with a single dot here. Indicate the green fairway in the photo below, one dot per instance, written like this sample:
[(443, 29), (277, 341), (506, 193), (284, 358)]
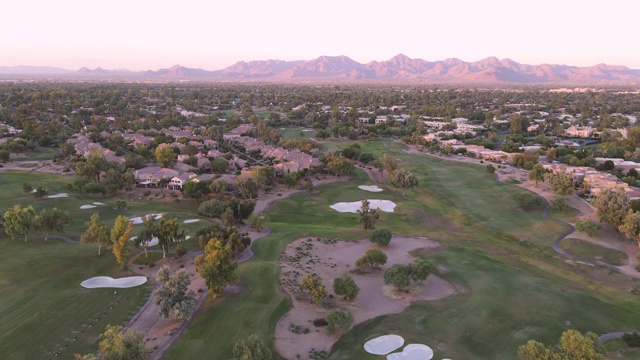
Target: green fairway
[(513, 287), (40, 154), (296, 133), (592, 251), (43, 306)]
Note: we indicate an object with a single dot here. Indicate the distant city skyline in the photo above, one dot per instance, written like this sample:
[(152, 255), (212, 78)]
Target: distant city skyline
[(143, 34)]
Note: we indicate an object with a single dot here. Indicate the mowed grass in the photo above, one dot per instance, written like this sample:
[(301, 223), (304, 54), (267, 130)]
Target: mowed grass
[(592, 251), (39, 154), (295, 132), (44, 308)]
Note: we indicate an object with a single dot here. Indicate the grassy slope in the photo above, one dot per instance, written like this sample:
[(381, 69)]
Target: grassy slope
[(513, 290)]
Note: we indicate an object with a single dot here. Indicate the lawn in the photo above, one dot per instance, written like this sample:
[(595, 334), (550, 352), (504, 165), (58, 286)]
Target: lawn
[(592, 251), (43, 307), (296, 133), (513, 287), (40, 154)]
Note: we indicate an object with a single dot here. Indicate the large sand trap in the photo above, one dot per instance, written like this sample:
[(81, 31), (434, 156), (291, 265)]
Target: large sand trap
[(330, 259), (413, 352), (154, 241), (109, 282), (371, 188), (354, 206), (87, 207), (189, 221), (56, 196), (138, 219), (383, 345)]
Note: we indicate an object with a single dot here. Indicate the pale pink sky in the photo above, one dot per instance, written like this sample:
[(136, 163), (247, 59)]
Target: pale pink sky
[(153, 34)]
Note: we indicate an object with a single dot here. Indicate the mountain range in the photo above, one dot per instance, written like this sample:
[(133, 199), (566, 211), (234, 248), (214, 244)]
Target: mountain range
[(400, 68)]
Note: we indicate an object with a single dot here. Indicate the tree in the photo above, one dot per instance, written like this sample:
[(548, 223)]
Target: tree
[(340, 166), (339, 320), (608, 165), (196, 189), (97, 232), (490, 169), (560, 203), (381, 237), (398, 275), (27, 187), (120, 234), (165, 156), (313, 286), (572, 345), (388, 163), (116, 345), (368, 216), (168, 233), (220, 165), (527, 200), (403, 179), (217, 267), (19, 220), (146, 234), (560, 183), (40, 192), (421, 269), (172, 296), (587, 226), (246, 187), (630, 226), (53, 221), (251, 349), (345, 285), (94, 189), (372, 258), (257, 221), (537, 173), (611, 206)]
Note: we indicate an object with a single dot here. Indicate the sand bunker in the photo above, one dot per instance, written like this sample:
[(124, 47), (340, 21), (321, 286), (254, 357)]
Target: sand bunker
[(383, 345), (371, 188), (354, 206), (154, 241), (56, 196), (413, 352), (109, 282), (99, 203), (138, 219), (189, 221), (87, 207)]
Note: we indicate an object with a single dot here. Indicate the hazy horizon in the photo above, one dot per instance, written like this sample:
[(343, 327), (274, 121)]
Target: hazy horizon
[(150, 35)]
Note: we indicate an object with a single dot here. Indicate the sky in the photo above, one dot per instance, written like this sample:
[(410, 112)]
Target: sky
[(214, 34)]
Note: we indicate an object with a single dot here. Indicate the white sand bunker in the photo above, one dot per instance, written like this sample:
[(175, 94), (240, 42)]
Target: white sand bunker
[(354, 206), (413, 352), (109, 282), (154, 241), (189, 221), (56, 196), (99, 203), (87, 207), (383, 345), (371, 188), (138, 219)]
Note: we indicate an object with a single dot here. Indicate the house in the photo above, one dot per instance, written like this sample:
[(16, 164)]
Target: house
[(178, 181), (576, 131)]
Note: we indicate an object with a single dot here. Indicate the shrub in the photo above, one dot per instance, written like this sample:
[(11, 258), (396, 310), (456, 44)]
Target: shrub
[(381, 237), (339, 319), (181, 251), (631, 339)]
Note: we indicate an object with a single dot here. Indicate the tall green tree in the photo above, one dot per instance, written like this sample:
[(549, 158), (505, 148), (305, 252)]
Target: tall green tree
[(630, 226), (341, 166), (368, 216), (172, 296), (19, 220), (339, 320), (611, 206), (537, 173), (120, 234), (96, 232), (118, 345), (146, 234), (51, 221), (165, 156), (398, 275), (572, 346), (372, 258), (251, 348), (403, 179), (217, 267), (346, 286), (560, 183), (381, 237), (168, 234)]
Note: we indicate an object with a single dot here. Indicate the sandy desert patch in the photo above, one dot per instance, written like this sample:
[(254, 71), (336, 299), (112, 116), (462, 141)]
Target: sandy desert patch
[(330, 259), (354, 206)]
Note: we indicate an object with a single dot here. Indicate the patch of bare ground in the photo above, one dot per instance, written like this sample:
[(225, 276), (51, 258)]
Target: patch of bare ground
[(296, 334)]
